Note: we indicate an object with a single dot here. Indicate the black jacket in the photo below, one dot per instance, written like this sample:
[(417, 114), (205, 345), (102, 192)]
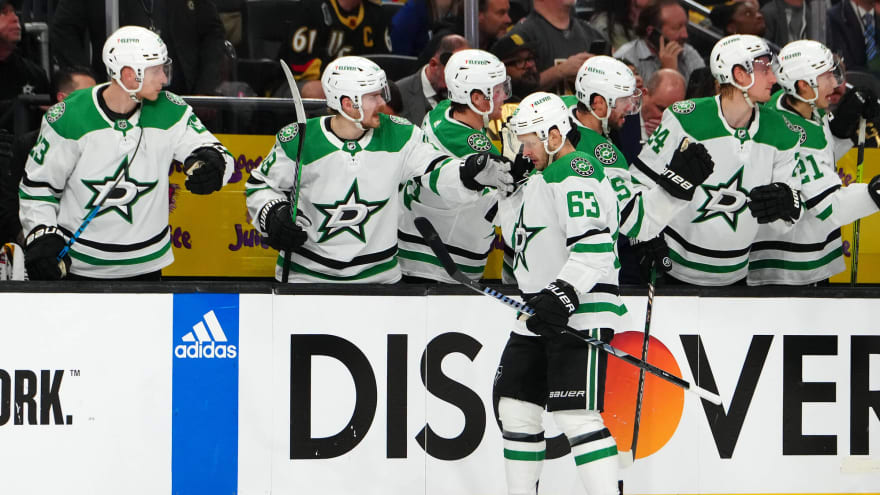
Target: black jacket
[(845, 36), (191, 28)]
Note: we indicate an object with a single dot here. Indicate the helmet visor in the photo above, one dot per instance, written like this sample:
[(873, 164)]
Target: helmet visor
[(166, 68), (838, 71), (630, 105), (504, 89)]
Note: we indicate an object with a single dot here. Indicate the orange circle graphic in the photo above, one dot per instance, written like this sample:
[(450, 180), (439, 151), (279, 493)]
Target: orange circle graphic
[(662, 402)]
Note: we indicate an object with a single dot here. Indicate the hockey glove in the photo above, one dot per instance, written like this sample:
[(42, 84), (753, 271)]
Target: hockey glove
[(553, 305), (653, 254), (521, 168), (486, 170), (41, 253), (855, 104), (874, 189), (774, 201), (689, 167), (276, 222), (204, 169)]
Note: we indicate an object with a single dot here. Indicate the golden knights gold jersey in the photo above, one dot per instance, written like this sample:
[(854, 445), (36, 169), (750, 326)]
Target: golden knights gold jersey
[(324, 32)]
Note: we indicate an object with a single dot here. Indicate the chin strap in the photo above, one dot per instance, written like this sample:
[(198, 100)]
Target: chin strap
[(551, 155), (745, 89), (357, 122)]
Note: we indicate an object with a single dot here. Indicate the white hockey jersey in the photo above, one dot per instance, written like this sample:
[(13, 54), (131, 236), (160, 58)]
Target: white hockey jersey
[(710, 238), (811, 250), (348, 196), (81, 152), (466, 230), (563, 224)]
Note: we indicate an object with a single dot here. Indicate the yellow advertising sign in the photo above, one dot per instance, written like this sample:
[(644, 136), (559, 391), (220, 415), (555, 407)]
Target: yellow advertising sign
[(869, 231)]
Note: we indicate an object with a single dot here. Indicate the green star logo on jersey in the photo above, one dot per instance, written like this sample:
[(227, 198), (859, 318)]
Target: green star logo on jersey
[(726, 200), (522, 236), (122, 197), (348, 215)]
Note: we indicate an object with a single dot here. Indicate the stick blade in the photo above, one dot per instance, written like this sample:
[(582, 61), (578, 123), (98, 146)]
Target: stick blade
[(429, 233)]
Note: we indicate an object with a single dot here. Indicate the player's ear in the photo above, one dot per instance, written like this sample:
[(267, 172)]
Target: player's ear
[(554, 138)]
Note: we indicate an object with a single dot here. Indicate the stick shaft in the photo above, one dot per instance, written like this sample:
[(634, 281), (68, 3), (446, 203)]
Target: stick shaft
[(647, 338), (854, 264), (301, 127)]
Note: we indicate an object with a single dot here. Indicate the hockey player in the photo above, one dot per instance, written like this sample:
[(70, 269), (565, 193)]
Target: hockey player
[(606, 93), (355, 160), (751, 146), (327, 29), (477, 86), (563, 226), (115, 141), (812, 250)]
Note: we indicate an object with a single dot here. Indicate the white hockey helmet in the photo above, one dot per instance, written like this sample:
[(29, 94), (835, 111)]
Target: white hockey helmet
[(353, 77), (539, 113), (475, 70), (138, 48), (611, 79), (806, 60), (742, 50)]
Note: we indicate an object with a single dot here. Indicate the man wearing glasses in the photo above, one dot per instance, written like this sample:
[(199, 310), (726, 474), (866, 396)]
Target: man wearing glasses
[(519, 59)]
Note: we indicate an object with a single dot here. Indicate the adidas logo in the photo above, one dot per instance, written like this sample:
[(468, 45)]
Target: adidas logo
[(205, 343)]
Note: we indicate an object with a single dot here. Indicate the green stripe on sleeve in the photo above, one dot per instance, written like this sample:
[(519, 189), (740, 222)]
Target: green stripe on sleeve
[(518, 455), (131, 261), (48, 199), (595, 456), (593, 248), (703, 267)]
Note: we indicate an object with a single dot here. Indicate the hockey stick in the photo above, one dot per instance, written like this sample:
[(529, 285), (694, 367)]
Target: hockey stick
[(102, 198), (860, 160), (436, 244), (301, 127)]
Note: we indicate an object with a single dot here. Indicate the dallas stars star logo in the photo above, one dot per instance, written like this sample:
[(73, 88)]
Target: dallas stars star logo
[(349, 215), (122, 196), (726, 200), (522, 235)]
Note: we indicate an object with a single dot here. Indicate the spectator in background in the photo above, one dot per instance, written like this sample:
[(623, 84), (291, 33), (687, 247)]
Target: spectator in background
[(849, 27), (561, 40), (616, 18), (519, 61), (423, 90), (662, 42), (739, 17), (413, 23), (18, 75), (664, 88), (328, 29), (64, 82), (493, 22), (702, 83), (395, 105), (192, 31), (787, 20)]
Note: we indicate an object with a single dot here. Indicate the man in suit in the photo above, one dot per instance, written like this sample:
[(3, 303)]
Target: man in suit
[(191, 29), (422, 90), (848, 26)]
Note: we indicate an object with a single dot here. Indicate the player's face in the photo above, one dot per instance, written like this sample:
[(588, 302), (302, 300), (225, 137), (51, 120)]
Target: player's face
[(625, 106), (155, 78), (371, 105), (764, 80), (533, 149), (827, 83), (500, 93)]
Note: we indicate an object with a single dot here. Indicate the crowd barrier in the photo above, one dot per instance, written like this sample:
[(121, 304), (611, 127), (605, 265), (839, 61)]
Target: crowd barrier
[(245, 388)]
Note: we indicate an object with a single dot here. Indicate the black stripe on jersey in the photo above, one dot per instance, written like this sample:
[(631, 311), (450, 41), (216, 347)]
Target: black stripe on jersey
[(591, 232), (643, 168), (627, 210), (357, 260), (797, 248), (812, 202), (435, 162), (464, 253), (32, 183), (712, 253), (119, 248), (255, 181), (606, 289), (589, 437), (522, 437), (490, 215)]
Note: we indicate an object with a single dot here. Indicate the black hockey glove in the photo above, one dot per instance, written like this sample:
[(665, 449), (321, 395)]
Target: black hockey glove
[(855, 104), (874, 189), (689, 167), (276, 222), (41, 253), (553, 305), (653, 254), (486, 170), (204, 169), (774, 201), (521, 168)]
